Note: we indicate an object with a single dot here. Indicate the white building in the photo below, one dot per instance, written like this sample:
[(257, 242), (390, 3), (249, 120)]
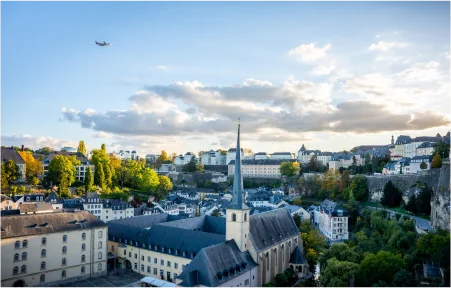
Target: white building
[(213, 158), (425, 149), (282, 155), (261, 156), (107, 209), (52, 248), (333, 221), (245, 154), (416, 161), (184, 159), (81, 169), (324, 158), (126, 155), (268, 168)]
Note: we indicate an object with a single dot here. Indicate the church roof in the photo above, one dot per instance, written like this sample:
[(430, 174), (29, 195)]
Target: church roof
[(272, 227), (237, 191), (216, 265), (302, 148), (297, 257)]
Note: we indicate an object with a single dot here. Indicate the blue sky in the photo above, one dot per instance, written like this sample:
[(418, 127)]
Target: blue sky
[(230, 59)]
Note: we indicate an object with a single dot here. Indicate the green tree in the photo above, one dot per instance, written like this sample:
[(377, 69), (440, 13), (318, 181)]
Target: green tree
[(289, 169), (216, 213), (281, 280), (381, 266), (403, 278), (442, 149), (392, 197), (61, 171), (103, 148), (99, 176), (345, 180), (108, 176), (45, 151), (34, 181), (165, 184), (341, 252), (354, 160), (297, 201), (436, 161), (89, 180), (338, 273), (191, 166), (423, 165), (33, 167), (81, 147), (147, 180), (12, 171), (423, 201), (4, 178), (374, 164), (164, 158), (297, 219), (412, 204), (358, 187), (200, 167)]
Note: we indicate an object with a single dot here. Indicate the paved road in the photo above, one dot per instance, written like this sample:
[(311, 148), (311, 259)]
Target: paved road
[(422, 224)]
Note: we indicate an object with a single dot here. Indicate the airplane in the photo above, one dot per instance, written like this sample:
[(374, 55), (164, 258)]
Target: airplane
[(103, 44)]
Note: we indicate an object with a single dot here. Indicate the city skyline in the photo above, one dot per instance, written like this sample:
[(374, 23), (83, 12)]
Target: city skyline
[(177, 77)]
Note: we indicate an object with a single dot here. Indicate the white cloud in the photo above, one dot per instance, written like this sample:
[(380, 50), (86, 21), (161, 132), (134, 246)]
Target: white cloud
[(308, 52), (163, 68), (322, 70), (36, 142), (422, 72), (386, 46), (255, 82), (102, 134)]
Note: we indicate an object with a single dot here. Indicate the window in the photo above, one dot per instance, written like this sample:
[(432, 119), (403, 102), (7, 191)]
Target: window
[(162, 273), (175, 275), (82, 269), (100, 255), (42, 278), (83, 258), (64, 238), (125, 252), (162, 262), (25, 243), (155, 261), (99, 267), (148, 269), (100, 233), (136, 266), (142, 257), (24, 256), (176, 266), (233, 217), (99, 245), (148, 259), (169, 263), (15, 270), (112, 247), (245, 217), (16, 257), (42, 265), (17, 244), (142, 267), (64, 249), (63, 274), (43, 253), (63, 262), (83, 236), (23, 269), (136, 256), (129, 254), (168, 275), (155, 271), (246, 282), (267, 261), (44, 241), (83, 247)]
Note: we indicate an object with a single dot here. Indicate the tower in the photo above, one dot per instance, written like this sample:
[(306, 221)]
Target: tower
[(237, 214), (392, 140)]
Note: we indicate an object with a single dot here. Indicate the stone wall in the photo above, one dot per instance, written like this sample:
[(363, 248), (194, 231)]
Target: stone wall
[(217, 168), (440, 200)]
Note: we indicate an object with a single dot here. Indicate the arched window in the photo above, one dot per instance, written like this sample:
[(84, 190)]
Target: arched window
[(24, 256), (245, 217), (100, 234), (83, 236), (25, 243), (44, 241), (233, 217), (63, 262), (99, 267), (15, 270), (82, 269), (42, 265), (23, 269), (17, 244), (83, 247), (16, 257), (43, 253), (100, 244), (63, 274), (42, 278), (267, 261), (64, 238), (64, 249), (83, 258), (100, 255)]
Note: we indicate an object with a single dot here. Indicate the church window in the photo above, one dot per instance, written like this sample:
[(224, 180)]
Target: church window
[(245, 217), (233, 217), (267, 261)]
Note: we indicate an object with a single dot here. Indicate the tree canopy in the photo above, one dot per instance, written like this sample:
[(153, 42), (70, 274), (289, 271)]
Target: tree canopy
[(81, 147), (392, 197), (290, 169)]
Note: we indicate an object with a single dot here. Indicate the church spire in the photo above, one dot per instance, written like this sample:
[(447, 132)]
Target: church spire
[(238, 200)]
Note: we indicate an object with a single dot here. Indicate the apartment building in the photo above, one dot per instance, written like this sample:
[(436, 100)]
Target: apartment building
[(107, 209), (52, 248), (81, 169), (269, 168), (333, 221)]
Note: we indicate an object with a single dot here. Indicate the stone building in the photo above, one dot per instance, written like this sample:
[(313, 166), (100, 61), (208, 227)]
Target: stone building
[(52, 248)]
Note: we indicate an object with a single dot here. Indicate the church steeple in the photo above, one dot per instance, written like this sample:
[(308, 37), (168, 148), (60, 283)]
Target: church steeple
[(238, 199), (237, 213)]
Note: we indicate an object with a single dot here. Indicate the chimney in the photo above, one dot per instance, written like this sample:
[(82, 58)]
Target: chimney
[(22, 147)]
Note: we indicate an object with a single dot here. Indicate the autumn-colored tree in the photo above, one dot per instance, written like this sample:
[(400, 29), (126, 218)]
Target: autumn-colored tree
[(289, 169), (173, 156), (164, 157), (33, 167), (103, 148), (297, 201), (330, 180), (436, 161), (147, 180), (81, 148), (89, 181)]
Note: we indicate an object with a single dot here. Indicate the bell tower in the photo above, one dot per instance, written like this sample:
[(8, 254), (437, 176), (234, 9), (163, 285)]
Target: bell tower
[(237, 214)]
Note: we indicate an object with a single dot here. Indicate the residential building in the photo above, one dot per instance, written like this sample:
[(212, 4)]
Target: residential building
[(52, 248), (9, 153), (333, 221), (416, 161), (7, 203), (81, 169), (425, 149), (282, 155), (213, 158), (126, 155), (107, 209), (324, 157), (305, 155), (268, 168), (261, 156), (245, 154), (184, 159)]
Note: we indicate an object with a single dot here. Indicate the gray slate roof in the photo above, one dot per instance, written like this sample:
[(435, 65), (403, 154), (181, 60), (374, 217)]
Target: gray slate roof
[(297, 257), (263, 161), (33, 224), (271, 227), (206, 223), (11, 154), (80, 157), (216, 265)]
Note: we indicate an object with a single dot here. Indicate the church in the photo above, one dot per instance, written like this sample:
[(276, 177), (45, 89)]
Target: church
[(236, 251), (271, 239)]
